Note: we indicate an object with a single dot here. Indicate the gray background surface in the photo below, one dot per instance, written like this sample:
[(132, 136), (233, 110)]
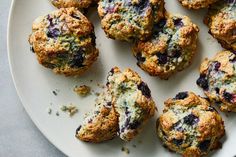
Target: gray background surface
[(19, 137)]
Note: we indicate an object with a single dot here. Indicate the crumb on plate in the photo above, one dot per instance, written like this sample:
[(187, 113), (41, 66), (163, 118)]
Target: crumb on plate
[(70, 109), (82, 90)]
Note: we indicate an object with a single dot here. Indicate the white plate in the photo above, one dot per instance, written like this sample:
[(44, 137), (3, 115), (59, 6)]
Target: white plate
[(35, 84)]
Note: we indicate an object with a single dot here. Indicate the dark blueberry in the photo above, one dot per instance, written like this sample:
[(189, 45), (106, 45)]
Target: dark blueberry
[(203, 82), (160, 24), (177, 142), (178, 22), (127, 121), (216, 66), (204, 145), (96, 112), (32, 49), (109, 104), (134, 125), (93, 39), (111, 71), (141, 6), (181, 95), (228, 96), (217, 90), (144, 89), (177, 126), (78, 129), (162, 58), (75, 16), (53, 32), (191, 119), (158, 27), (77, 60), (126, 111), (49, 18), (140, 58), (176, 53)]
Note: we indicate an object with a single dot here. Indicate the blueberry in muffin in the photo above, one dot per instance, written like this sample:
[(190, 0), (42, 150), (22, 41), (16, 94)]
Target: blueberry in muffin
[(190, 126), (221, 20), (64, 41), (171, 47), (129, 20), (197, 4), (218, 80), (132, 101)]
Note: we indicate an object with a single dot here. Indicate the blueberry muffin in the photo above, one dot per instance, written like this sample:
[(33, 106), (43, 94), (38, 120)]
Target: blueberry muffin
[(197, 4), (129, 20), (64, 41), (190, 126), (132, 101), (80, 4), (101, 124), (171, 47), (218, 80), (221, 19)]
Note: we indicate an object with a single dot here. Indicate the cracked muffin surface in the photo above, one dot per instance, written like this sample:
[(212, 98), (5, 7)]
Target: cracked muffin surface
[(129, 20), (170, 49), (221, 20), (64, 41), (197, 4), (190, 126), (218, 80)]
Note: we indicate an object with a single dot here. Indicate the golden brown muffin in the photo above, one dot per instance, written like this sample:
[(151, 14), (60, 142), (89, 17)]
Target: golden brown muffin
[(171, 47), (221, 19), (190, 126), (129, 20), (217, 79), (64, 41)]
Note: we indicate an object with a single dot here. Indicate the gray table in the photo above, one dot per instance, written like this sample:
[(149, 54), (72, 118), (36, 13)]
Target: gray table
[(19, 137)]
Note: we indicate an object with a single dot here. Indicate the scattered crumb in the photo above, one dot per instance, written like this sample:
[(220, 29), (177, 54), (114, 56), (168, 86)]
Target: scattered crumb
[(57, 113), (49, 110), (91, 80), (101, 85), (70, 109), (97, 93), (134, 145), (82, 90), (54, 92), (126, 150)]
